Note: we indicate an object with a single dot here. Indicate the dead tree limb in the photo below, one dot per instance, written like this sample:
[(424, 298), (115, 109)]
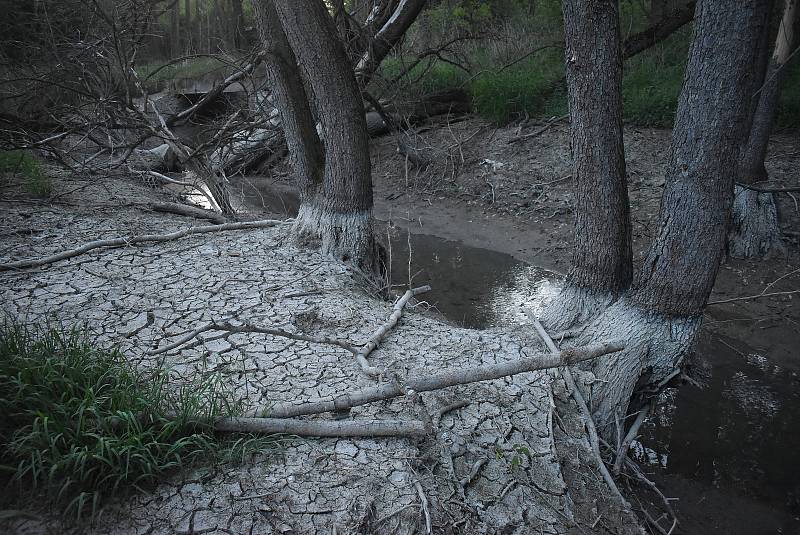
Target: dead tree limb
[(134, 240), (215, 93), (247, 328), (188, 211), (445, 379), (587, 416), (323, 428), (377, 336)]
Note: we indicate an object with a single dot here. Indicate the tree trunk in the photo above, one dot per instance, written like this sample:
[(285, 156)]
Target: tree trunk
[(601, 261), (289, 97), (754, 225), (341, 217), (174, 30), (661, 314)]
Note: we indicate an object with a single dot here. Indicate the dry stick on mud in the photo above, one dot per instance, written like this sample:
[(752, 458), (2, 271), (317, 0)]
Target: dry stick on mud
[(134, 240), (377, 336), (188, 211), (247, 328), (445, 379), (587, 416), (325, 428)]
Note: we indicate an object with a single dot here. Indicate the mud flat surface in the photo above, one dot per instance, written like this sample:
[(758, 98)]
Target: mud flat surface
[(532, 476)]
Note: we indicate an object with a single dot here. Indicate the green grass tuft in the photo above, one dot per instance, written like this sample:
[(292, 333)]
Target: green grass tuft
[(80, 423), (26, 166)]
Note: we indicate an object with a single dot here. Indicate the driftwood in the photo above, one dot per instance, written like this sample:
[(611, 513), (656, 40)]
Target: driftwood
[(134, 240), (188, 211), (377, 336), (587, 416), (323, 428), (447, 378)]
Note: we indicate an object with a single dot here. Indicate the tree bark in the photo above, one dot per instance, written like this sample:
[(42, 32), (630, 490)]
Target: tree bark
[(754, 226), (341, 218), (390, 33), (602, 259), (662, 312), (289, 96)]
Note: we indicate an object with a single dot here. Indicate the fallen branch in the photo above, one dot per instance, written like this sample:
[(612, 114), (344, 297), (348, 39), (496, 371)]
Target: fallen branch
[(247, 328), (767, 189), (377, 336), (188, 211), (134, 240), (587, 416), (630, 436), (323, 428), (448, 378), (539, 131), (750, 297)]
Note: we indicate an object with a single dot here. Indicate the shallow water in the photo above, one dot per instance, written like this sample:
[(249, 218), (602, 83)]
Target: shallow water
[(730, 449)]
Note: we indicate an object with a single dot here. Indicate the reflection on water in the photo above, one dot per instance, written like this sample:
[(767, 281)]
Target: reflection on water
[(472, 287)]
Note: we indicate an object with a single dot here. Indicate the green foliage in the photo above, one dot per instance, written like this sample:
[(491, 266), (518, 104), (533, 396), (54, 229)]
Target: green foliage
[(79, 422), (523, 89), (26, 166)]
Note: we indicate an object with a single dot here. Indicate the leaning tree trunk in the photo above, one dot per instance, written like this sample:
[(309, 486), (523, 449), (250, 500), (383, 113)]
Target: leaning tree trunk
[(341, 216), (661, 314), (754, 224), (601, 261)]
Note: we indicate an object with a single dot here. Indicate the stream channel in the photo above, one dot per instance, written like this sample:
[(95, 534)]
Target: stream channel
[(726, 449)]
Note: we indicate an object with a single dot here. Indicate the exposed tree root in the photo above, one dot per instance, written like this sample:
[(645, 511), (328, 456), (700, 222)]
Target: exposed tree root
[(134, 240), (447, 378)]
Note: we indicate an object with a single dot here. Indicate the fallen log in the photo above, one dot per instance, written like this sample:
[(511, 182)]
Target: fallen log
[(134, 240), (447, 378), (323, 428)]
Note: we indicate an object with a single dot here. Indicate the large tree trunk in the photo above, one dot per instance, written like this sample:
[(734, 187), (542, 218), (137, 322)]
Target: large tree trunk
[(601, 261), (754, 225), (341, 216), (661, 314)]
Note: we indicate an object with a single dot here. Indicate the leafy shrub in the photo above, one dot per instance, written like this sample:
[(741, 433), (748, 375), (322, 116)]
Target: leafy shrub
[(79, 421), (26, 166)]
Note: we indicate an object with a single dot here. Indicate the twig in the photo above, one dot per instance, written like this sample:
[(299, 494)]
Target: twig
[(188, 211), (539, 131), (447, 378), (133, 240), (247, 328), (763, 189), (622, 452), (473, 473), (589, 421), (424, 500), (323, 428), (377, 336), (749, 297)]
